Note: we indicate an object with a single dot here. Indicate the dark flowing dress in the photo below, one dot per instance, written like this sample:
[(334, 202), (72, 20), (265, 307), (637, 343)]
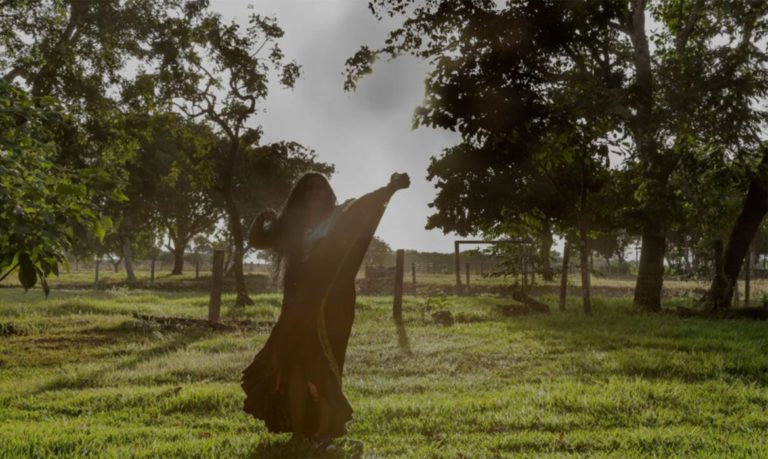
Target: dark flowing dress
[(308, 344)]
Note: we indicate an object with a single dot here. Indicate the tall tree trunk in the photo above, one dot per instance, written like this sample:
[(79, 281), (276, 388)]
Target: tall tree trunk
[(179, 247), (547, 273), (584, 249), (115, 263), (564, 273), (236, 228), (650, 277), (524, 275), (586, 286), (748, 277), (128, 258), (718, 286), (744, 230), (178, 261), (229, 256), (695, 263)]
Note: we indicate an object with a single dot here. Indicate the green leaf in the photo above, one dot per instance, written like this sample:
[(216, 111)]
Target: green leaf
[(27, 271), (119, 196), (43, 282), (70, 189), (98, 227)]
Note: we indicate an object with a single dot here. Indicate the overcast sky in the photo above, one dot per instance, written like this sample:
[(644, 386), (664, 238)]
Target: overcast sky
[(366, 134)]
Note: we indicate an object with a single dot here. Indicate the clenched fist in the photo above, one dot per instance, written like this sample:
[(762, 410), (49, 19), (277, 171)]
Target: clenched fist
[(399, 181)]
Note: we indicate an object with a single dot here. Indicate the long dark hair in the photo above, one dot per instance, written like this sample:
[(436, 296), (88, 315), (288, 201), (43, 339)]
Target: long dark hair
[(292, 220)]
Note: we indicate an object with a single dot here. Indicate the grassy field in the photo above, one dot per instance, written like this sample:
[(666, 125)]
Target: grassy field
[(259, 278), (80, 377)]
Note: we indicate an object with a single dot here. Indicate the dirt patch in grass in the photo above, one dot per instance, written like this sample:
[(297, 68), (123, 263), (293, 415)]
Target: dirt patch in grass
[(254, 282), (11, 329), (69, 341)]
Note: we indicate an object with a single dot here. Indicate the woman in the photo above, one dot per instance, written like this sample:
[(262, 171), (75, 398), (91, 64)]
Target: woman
[(294, 382)]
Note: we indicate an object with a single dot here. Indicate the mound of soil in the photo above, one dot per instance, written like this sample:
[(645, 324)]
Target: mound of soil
[(519, 308), (9, 329), (443, 317), (755, 313), (174, 323)]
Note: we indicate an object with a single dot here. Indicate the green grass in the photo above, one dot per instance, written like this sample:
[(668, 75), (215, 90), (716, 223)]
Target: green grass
[(258, 278), (80, 377)]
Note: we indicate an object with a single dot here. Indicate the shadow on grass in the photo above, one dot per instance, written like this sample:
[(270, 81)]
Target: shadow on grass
[(265, 308), (342, 448), (94, 378), (627, 343), (167, 282), (402, 338)]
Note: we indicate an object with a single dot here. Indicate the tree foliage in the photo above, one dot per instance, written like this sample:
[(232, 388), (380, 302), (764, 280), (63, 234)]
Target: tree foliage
[(538, 87), (42, 205)]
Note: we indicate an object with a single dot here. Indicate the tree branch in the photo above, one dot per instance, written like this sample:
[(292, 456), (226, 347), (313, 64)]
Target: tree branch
[(187, 113), (684, 32), (619, 27), (12, 268), (258, 50)]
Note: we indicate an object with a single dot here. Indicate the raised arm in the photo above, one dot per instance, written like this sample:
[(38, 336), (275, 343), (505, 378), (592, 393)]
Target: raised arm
[(349, 237), (261, 235), (396, 182)]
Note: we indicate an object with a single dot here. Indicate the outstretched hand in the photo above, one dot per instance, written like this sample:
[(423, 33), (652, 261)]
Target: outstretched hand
[(399, 181)]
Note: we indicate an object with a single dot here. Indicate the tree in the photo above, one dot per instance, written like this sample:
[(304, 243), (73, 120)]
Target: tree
[(378, 253), (730, 259), (166, 186), (77, 52), (612, 243), (530, 105), (687, 92), (172, 177), (42, 205), (222, 79)]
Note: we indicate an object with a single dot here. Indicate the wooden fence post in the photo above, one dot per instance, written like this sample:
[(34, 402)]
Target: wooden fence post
[(457, 267), (397, 307), (96, 281), (524, 275), (564, 274), (214, 304), (152, 273), (413, 277), (197, 269), (748, 277), (467, 267)]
